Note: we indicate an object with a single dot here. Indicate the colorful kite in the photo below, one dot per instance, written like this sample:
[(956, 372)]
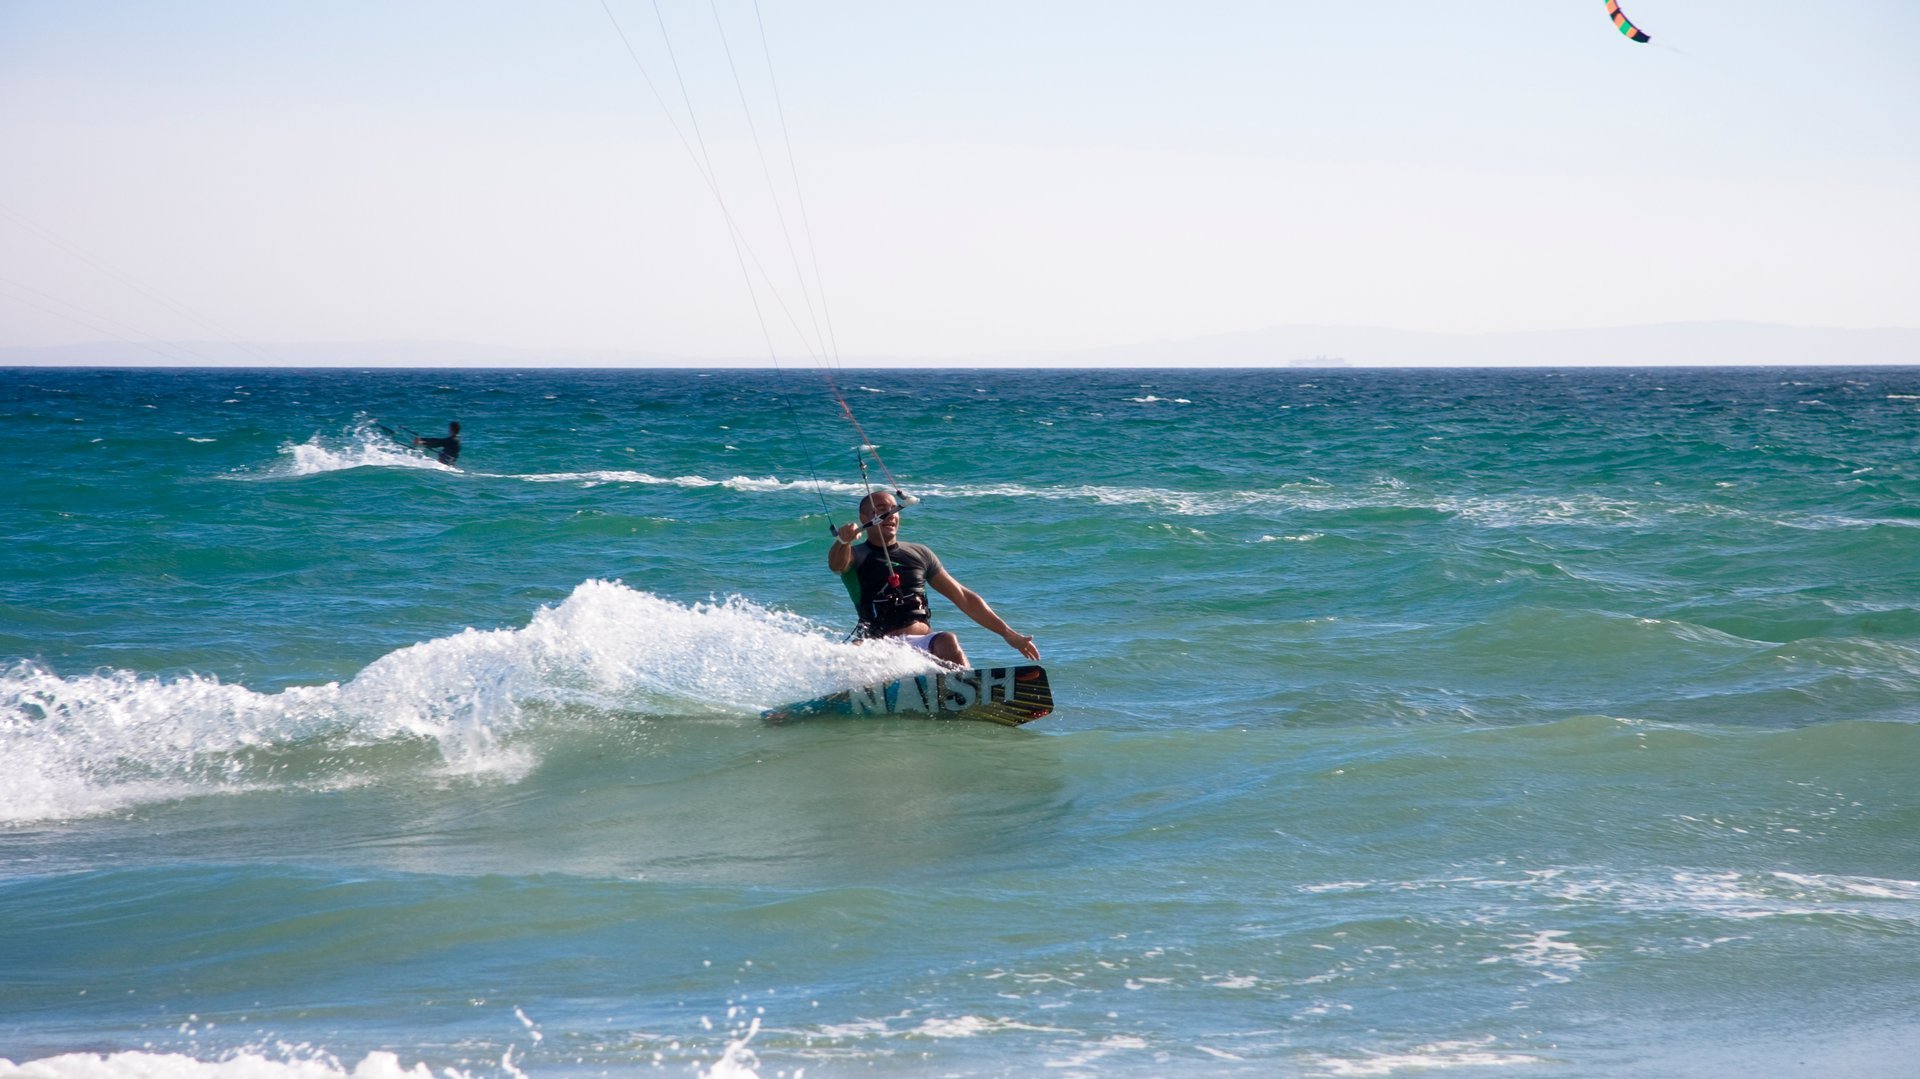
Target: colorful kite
[(1620, 20)]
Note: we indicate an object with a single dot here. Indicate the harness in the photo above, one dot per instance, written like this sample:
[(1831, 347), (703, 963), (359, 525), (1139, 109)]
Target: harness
[(888, 586)]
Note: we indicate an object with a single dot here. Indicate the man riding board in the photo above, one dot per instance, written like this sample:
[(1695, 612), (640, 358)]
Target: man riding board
[(449, 446), (888, 582)]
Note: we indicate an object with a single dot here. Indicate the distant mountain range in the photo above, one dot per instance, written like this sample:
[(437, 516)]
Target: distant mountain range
[(1665, 344)]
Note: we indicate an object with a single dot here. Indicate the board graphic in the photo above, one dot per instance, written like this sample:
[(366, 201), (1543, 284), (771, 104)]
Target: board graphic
[(1006, 695)]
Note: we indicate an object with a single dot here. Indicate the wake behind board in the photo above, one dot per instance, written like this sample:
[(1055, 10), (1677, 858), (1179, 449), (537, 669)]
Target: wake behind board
[(1006, 695)]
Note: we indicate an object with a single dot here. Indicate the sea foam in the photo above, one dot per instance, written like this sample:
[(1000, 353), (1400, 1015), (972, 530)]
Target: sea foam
[(361, 445), (97, 743), (141, 1065)]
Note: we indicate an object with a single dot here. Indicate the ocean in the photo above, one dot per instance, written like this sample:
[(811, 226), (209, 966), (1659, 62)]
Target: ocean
[(1479, 722)]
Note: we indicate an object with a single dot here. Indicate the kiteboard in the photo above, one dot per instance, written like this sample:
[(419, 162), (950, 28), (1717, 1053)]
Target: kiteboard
[(1009, 696)]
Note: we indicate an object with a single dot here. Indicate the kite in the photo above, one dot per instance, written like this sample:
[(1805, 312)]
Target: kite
[(1620, 20)]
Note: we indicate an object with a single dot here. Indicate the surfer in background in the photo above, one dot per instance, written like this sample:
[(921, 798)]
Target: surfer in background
[(449, 446), (888, 582)]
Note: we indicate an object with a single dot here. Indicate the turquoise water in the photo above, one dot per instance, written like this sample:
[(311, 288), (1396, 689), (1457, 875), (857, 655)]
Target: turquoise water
[(1489, 722)]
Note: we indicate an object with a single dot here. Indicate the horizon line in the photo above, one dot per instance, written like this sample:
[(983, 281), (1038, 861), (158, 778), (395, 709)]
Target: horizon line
[(788, 369), (1301, 345)]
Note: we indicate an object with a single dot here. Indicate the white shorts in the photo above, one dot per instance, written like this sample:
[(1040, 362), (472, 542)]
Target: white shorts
[(922, 641)]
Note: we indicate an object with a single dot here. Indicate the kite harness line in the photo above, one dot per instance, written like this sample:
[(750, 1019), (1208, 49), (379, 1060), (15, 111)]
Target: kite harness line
[(821, 343)]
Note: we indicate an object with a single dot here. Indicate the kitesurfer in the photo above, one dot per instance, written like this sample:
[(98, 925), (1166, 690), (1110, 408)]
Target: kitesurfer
[(888, 582), (449, 446)]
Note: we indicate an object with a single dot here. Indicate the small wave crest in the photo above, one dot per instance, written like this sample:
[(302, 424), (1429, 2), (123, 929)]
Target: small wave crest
[(752, 484), (364, 444), (283, 1061), (1367, 502), (477, 703), (1722, 894), (1480, 1055), (247, 1065)]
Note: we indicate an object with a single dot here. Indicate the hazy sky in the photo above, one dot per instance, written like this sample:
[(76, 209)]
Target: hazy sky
[(978, 176)]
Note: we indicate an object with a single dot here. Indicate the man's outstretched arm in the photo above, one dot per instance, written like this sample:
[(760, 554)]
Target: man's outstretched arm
[(974, 607)]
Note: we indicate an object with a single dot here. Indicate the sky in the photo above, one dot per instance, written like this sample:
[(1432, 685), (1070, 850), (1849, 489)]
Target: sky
[(943, 180)]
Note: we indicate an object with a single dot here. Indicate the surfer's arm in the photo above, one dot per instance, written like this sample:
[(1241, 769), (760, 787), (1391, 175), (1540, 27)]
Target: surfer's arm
[(840, 555), (974, 607)]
